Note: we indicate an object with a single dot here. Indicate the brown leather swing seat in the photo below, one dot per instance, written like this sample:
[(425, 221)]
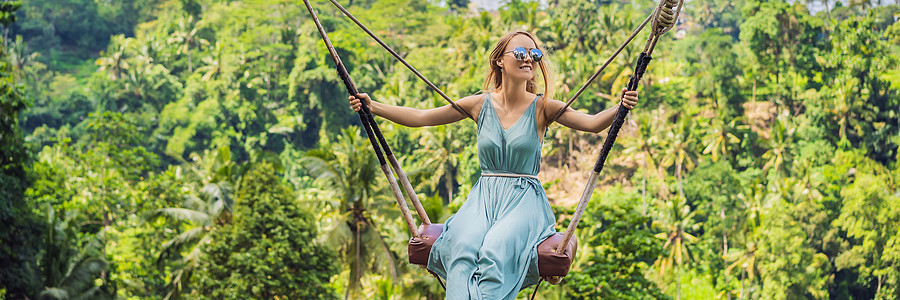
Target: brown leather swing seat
[(552, 265)]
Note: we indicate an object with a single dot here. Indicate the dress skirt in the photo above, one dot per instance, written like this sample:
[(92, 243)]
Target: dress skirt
[(488, 249)]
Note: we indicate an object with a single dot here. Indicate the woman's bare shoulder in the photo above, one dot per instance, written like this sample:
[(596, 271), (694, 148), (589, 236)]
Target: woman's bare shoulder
[(472, 99), (472, 103), (552, 107)]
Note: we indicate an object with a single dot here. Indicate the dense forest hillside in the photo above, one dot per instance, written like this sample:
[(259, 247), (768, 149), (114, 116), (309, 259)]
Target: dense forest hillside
[(194, 149)]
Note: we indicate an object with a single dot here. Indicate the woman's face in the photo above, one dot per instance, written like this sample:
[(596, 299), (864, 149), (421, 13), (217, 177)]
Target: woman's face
[(518, 69)]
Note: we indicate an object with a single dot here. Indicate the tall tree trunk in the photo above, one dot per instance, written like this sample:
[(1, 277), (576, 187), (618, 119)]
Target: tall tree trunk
[(724, 232), (448, 184), (677, 284), (357, 256), (106, 224), (644, 193), (347, 292), (569, 155), (352, 284), (680, 181), (880, 281), (753, 94), (724, 242)]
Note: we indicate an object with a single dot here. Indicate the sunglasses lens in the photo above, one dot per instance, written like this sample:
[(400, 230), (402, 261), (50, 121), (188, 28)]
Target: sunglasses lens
[(519, 53), (536, 55)]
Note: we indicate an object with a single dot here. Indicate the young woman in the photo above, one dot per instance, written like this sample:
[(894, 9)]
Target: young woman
[(488, 248)]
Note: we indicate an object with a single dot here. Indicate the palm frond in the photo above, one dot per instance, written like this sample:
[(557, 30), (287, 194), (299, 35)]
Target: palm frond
[(177, 243), (219, 191), (82, 275), (319, 168), (194, 203), (53, 293), (183, 214), (384, 256), (335, 232)]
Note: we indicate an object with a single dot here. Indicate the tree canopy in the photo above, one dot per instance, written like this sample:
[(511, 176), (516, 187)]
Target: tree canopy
[(183, 149)]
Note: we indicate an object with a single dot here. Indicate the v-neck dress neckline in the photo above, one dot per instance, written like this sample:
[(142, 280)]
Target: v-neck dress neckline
[(522, 116)]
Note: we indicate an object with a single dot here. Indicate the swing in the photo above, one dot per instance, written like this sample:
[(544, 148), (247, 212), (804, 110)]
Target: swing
[(556, 253)]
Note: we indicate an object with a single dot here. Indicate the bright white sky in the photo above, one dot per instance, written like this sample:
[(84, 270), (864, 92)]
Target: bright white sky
[(491, 4), (488, 4)]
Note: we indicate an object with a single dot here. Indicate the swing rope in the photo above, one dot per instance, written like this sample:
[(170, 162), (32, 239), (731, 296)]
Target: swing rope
[(663, 20), (373, 132), (397, 56), (600, 70), (536, 286)]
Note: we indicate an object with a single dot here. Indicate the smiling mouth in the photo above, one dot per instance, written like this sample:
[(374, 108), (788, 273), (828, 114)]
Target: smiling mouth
[(527, 68)]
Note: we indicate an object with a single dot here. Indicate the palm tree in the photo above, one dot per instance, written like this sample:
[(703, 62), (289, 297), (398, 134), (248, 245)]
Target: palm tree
[(69, 273), (115, 62), (204, 210), (439, 157), (846, 107), (810, 181), (745, 260), (722, 137), (676, 218), (755, 201), (20, 58), (680, 150), (644, 147), (357, 206), (186, 38), (213, 68), (779, 142)]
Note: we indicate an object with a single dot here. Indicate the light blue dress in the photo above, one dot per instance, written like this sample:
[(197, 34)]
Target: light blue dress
[(488, 249)]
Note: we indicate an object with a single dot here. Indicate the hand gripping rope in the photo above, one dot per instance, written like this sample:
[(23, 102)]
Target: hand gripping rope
[(373, 132), (397, 56), (663, 20), (368, 121)]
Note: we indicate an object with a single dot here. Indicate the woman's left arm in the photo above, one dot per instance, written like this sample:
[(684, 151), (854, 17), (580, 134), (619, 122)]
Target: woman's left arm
[(586, 122)]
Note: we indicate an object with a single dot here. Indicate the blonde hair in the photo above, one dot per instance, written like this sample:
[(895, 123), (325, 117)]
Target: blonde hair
[(494, 78)]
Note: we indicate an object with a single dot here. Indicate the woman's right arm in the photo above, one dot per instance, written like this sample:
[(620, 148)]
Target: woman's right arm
[(412, 117)]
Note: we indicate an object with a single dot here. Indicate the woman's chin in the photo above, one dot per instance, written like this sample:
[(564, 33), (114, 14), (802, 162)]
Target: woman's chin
[(522, 76)]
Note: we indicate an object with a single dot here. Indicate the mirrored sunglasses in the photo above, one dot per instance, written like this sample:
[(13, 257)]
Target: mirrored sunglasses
[(520, 52)]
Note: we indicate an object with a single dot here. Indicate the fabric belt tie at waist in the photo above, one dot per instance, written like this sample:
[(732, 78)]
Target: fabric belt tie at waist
[(521, 179), (508, 175)]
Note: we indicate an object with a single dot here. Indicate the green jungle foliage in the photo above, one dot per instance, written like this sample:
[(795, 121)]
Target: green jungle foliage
[(184, 149)]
